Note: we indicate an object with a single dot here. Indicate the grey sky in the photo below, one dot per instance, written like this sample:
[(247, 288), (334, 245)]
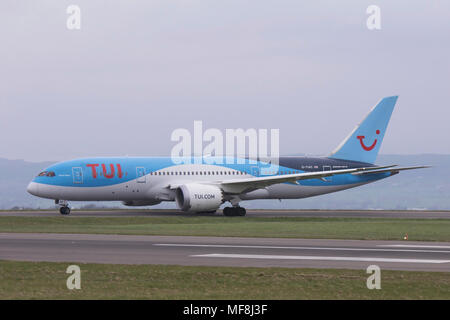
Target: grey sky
[(139, 69)]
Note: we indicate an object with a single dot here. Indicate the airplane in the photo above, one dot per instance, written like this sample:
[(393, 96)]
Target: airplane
[(204, 187)]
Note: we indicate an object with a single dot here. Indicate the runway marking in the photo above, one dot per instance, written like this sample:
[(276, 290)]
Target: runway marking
[(279, 257), (297, 248), (415, 246)]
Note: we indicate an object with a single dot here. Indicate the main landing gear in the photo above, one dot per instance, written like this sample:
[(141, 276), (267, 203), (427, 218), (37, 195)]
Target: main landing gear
[(234, 211), (64, 207)]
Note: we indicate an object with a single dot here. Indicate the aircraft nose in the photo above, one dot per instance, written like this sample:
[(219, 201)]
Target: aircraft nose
[(33, 188)]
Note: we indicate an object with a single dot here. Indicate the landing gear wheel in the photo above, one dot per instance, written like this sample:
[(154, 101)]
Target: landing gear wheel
[(234, 211), (228, 211), (64, 210), (241, 211)]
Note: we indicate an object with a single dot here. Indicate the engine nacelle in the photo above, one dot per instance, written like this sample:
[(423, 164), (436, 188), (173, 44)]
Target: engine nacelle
[(198, 197), (139, 203)]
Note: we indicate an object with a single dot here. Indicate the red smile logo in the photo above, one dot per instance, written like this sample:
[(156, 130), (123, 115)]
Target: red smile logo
[(364, 146)]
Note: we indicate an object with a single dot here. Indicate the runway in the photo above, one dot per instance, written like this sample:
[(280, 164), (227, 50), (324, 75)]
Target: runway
[(223, 251), (411, 214)]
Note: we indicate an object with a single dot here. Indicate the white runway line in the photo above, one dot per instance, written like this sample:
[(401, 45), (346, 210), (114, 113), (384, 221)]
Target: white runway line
[(415, 246), (278, 257), (294, 248)]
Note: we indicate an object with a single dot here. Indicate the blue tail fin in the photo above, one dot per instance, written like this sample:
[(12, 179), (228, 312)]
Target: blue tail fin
[(364, 141)]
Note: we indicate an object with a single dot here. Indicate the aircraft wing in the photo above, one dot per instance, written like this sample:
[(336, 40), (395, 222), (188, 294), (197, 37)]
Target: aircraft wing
[(236, 186), (392, 170)]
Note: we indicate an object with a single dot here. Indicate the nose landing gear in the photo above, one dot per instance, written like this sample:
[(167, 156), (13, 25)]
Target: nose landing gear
[(64, 207), (64, 210)]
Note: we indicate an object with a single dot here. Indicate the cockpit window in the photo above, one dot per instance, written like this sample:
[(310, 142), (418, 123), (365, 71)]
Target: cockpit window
[(46, 174)]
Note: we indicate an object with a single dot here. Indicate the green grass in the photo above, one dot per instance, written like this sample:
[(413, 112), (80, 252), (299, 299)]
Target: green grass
[(295, 227), (44, 280)]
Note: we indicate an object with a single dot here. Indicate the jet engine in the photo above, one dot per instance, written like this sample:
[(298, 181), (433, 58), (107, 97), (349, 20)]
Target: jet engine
[(198, 197)]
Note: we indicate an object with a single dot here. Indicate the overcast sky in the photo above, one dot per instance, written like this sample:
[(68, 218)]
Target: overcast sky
[(137, 70)]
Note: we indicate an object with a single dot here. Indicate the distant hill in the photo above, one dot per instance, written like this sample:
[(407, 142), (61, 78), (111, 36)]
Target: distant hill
[(14, 178), (416, 189)]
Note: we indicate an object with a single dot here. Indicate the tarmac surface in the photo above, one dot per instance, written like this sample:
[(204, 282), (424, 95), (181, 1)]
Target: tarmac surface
[(223, 251), (412, 214)]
